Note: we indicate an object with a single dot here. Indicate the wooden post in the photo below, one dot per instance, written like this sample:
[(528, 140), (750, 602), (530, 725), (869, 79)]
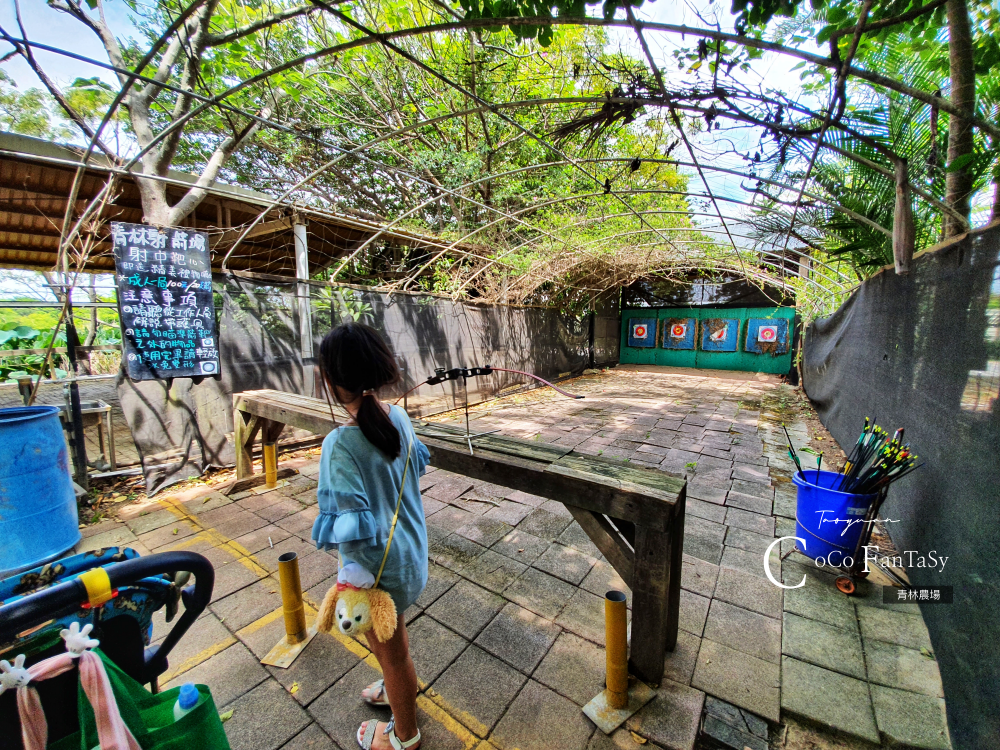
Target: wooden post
[(300, 236), (903, 233), (676, 562), (245, 428), (651, 584)]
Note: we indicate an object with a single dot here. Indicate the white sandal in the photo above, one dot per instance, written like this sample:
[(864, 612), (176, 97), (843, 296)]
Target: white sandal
[(367, 737), (377, 688)]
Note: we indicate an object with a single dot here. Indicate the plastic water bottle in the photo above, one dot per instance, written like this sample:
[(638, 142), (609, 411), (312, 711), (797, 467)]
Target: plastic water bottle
[(186, 701)]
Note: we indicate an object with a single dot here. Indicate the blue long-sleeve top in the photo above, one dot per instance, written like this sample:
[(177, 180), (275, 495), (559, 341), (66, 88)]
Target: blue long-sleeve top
[(357, 492)]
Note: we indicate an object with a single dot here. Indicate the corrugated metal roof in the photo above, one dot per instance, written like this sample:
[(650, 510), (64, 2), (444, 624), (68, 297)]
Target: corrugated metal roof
[(36, 177)]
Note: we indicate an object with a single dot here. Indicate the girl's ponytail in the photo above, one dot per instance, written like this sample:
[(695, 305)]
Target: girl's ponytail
[(377, 427), (355, 358)]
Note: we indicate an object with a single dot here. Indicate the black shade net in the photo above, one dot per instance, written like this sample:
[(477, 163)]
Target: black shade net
[(923, 352), (183, 426)]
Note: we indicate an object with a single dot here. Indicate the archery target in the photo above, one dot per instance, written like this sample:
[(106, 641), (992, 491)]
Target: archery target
[(720, 335), (678, 330), (767, 334), (639, 331)]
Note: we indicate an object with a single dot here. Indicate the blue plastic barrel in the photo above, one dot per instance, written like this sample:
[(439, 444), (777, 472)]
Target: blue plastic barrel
[(822, 513), (38, 517)]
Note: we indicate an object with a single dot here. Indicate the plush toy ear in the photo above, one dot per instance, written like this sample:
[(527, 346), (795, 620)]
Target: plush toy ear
[(328, 610), (383, 614)]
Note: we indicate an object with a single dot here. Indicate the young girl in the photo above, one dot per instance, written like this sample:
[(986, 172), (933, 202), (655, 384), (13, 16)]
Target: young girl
[(363, 466)]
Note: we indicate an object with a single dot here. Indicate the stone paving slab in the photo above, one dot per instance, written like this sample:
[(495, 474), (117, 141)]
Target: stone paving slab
[(433, 647), (264, 718), (828, 698), (540, 719), (573, 667), (229, 674), (672, 718), (543, 594), (893, 627), (519, 637), (466, 608), (739, 678), (911, 719), (749, 592), (896, 666), (745, 631), (461, 689), (823, 645)]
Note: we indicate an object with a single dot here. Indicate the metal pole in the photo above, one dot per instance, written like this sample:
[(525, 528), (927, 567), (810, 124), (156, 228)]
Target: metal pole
[(291, 598), (305, 309), (616, 640)]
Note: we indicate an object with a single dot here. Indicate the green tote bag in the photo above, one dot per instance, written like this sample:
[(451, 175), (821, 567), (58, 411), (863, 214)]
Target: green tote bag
[(150, 718)]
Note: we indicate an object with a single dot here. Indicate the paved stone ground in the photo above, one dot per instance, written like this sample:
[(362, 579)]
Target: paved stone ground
[(514, 600)]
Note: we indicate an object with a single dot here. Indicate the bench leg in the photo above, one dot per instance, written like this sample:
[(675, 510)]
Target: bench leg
[(676, 562), (651, 584), (245, 428)]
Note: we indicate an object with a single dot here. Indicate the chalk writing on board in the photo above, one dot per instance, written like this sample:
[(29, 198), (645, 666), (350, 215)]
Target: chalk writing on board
[(165, 302)]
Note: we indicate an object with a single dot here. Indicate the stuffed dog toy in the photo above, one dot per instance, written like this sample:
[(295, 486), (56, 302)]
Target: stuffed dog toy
[(355, 611)]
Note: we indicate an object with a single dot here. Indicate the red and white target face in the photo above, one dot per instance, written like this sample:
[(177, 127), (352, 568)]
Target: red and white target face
[(638, 331), (678, 330), (767, 334), (720, 335)]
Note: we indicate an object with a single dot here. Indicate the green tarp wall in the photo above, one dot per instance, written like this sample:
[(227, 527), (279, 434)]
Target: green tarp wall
[(739, 360)]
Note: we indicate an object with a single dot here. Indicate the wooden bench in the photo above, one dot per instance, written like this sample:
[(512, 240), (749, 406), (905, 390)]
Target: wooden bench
[(635, 516)]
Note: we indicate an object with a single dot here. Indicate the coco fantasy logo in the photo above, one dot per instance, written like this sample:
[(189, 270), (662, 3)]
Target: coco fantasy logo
[(836, 559)]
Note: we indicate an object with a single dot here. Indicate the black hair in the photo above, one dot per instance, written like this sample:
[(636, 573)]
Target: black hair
[(354, 357)]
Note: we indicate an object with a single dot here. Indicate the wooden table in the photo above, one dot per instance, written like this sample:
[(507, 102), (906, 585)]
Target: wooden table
[(635, 516)]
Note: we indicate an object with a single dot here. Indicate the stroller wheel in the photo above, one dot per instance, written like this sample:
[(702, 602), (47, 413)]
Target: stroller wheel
[(845, 584)]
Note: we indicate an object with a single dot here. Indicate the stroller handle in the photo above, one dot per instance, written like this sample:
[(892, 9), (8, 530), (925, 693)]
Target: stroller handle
[(66, 597)]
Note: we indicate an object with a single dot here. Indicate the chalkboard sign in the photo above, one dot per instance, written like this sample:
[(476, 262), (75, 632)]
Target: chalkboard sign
[(165, 302)]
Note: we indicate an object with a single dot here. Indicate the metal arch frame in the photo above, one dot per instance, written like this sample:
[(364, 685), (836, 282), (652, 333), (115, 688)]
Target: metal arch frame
[(702, 230), (711, 242), (775, 281), (584, 196), (374, 37), (710, 195)]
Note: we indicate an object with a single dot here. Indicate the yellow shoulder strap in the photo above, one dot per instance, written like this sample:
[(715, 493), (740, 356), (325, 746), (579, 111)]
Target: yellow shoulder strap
[(395, 517)]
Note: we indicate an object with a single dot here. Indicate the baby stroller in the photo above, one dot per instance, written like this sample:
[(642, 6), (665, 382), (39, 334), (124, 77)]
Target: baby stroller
[(116, 591)]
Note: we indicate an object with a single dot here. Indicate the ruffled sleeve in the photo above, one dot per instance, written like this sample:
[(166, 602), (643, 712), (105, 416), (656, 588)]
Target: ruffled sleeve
[(423, 457), (345, 518)]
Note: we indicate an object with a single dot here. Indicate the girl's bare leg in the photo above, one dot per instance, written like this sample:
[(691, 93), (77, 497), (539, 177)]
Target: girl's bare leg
[(400, 682)]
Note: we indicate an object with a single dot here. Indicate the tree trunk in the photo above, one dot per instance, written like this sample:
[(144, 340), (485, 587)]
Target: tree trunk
[(995, 215), (959, 183)]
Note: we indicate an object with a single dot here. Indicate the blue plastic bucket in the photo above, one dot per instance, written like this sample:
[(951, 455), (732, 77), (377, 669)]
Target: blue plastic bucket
[(822, 515), (38, 518)]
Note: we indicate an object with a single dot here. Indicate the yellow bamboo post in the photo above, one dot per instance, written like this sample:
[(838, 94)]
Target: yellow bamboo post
[(291, 597), (616, 648), (271, 467)]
